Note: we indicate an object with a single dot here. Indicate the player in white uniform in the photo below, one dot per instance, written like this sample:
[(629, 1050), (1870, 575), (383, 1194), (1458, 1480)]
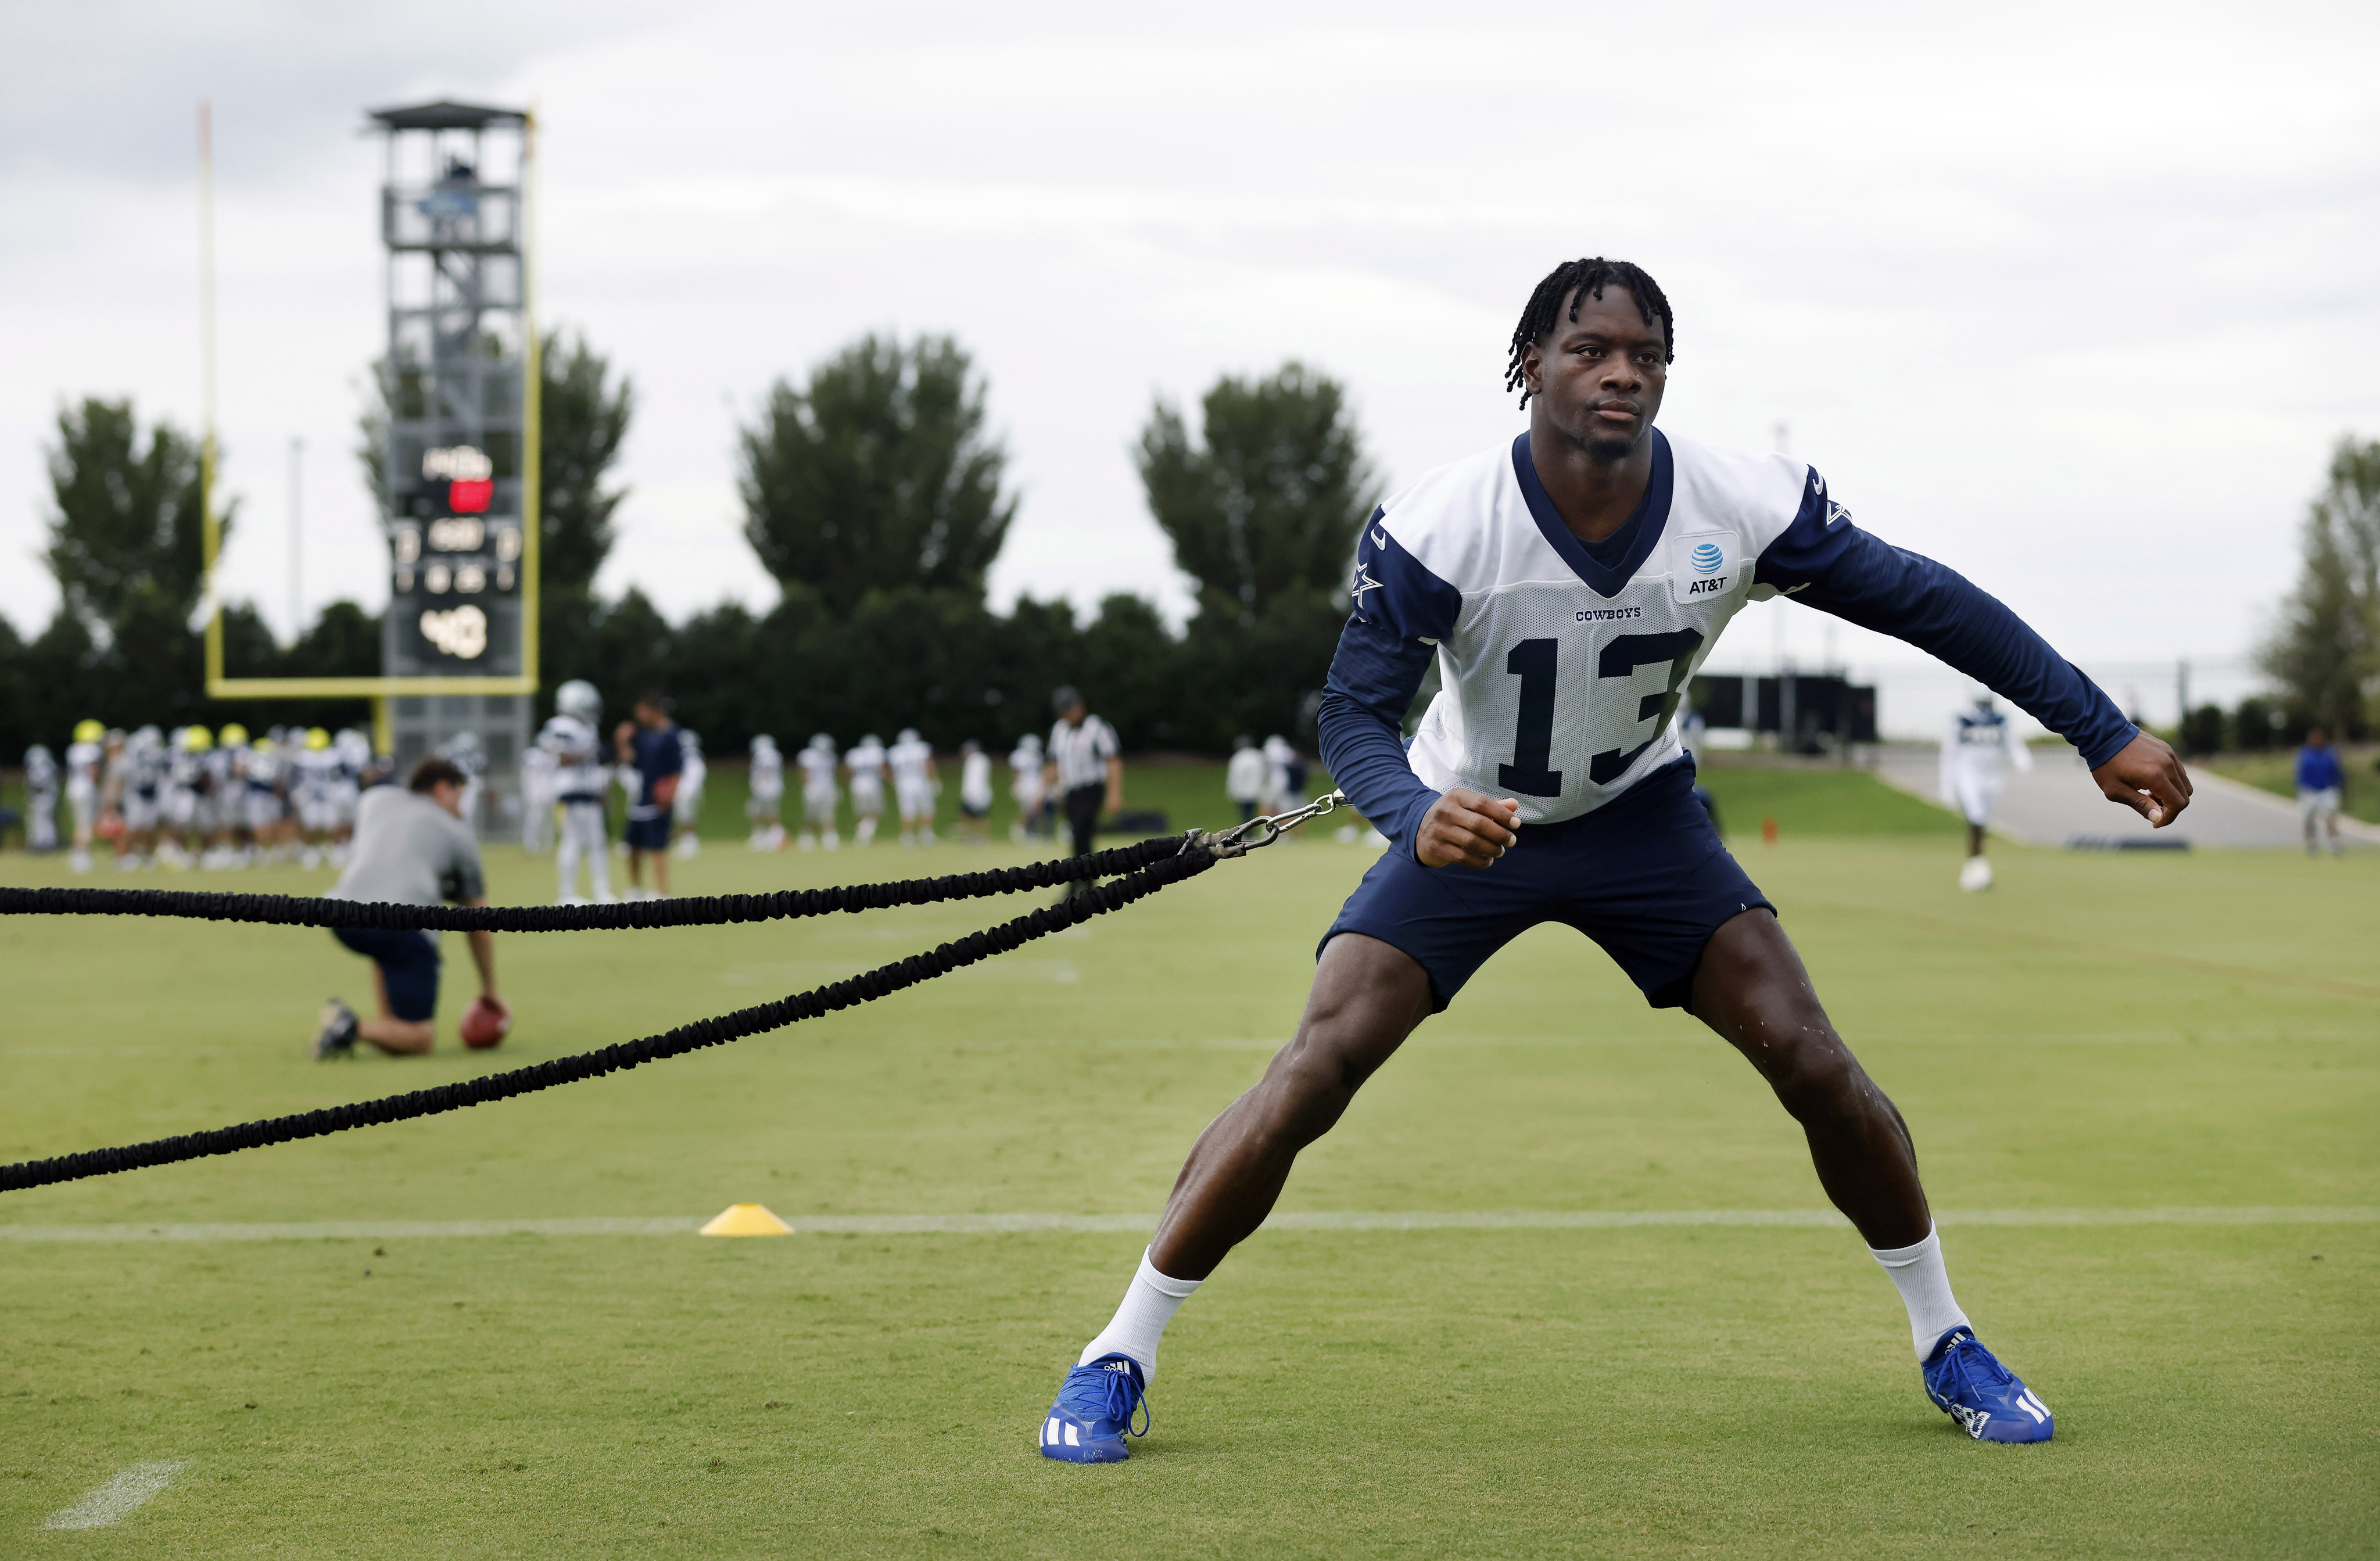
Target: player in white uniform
[(765, 804), (84, 757), (184, 791), (865, 763), (540, 779), (1565, 586), (468, 754), (222, 806), (820, 792), (145, 757), (915, 782), (582, 764), (1277, 757), (261, 779), (1026, 772), (1977, 752), (315, 772), (1244, 777), (354, 751), (686, 805), (40, 799), (975, 793)]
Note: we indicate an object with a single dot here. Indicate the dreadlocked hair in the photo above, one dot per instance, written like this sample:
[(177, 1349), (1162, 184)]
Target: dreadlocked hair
[(1586, 278)]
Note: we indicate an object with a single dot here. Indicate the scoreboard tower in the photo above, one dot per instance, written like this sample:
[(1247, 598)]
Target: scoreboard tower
[(458, 463)]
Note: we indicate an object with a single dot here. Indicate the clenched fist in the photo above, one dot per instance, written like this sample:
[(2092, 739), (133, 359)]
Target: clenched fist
[(1468, 828)]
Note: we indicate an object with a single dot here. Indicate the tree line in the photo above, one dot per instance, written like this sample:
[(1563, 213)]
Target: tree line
[(875, 494)]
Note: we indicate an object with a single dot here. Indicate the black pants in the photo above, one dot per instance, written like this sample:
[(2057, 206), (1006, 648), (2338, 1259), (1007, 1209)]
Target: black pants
[(1083, 814)]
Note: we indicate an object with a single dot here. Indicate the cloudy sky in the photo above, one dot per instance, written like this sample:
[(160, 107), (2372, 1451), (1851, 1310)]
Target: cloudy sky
[(2073, 297)]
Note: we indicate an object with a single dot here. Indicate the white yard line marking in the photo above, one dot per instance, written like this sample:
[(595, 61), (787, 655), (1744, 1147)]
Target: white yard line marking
[(1138, 1224), (134, 1485)]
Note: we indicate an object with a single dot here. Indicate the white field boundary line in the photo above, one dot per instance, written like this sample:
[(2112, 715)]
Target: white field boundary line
[(1141, 1224), (101, 1506)]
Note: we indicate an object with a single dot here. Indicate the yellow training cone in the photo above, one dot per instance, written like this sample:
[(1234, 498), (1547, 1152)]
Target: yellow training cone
[(747, 1219)]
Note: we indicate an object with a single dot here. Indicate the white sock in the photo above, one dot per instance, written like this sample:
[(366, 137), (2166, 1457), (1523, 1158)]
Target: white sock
[(1925, 1284), (1148, 1304)]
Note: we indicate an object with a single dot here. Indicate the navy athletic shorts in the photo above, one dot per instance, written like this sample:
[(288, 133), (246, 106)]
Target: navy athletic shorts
[(408, 966), (1644, 875), (649, 834)]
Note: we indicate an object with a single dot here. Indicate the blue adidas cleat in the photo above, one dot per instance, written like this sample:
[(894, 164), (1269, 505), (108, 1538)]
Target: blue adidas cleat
[(1094, 1412), (1986, 1398)]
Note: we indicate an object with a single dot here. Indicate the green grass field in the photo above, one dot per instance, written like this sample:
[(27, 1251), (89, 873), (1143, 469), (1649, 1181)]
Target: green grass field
[(2276, 772), (2100, 1038)]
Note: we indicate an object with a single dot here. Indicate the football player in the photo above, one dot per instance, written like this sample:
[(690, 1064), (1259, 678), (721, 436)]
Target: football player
[(225, 803), (820, 792), (261, 784), (142, 777), (685, 807), (765, 804), (1565, 586), (42, 800), (915, 783), (186, 816), (539, 778), (583, 769), (974, 793), (1026, 773), (85, 755), (865, 765), (1977, 753)]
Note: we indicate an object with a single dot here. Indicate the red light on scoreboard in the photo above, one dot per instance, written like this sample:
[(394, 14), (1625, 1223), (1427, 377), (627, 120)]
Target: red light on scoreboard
[(470, 498)]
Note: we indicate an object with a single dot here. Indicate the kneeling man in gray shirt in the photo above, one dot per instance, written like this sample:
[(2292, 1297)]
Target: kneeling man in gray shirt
[(411, 848)]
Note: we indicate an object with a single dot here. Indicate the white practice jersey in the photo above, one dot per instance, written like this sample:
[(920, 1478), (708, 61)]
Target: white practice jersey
[(539, 771), (83, 762), (975, 781), (1027, 767), (818, 774), (581, 765), (768, 774), (1244, 777), (1559, 675), (685, 807), (318, 773), (866, 761), (1979, 747), (909, 761), (263, 772)]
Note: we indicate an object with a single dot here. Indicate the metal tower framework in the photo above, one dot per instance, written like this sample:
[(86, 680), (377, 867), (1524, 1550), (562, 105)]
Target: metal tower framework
[(458, 458)]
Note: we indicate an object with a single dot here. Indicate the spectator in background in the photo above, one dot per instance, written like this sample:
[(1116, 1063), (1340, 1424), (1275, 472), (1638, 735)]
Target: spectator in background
[(1244, 777), (1086, 769), (649, 743), (2321, 790)]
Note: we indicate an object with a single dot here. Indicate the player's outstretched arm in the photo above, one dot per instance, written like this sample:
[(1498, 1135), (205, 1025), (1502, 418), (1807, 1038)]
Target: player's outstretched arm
[(1467, 828), (2148, 778)]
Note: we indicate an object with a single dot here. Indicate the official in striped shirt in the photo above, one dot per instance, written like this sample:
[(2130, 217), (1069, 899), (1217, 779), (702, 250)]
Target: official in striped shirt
[(1084, 770)]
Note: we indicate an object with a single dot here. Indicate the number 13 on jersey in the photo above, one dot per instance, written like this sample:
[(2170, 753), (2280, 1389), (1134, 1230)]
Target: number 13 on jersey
[(1607, 715)]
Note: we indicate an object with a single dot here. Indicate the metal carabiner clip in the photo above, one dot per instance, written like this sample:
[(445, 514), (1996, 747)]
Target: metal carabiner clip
[(1263, 830)]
